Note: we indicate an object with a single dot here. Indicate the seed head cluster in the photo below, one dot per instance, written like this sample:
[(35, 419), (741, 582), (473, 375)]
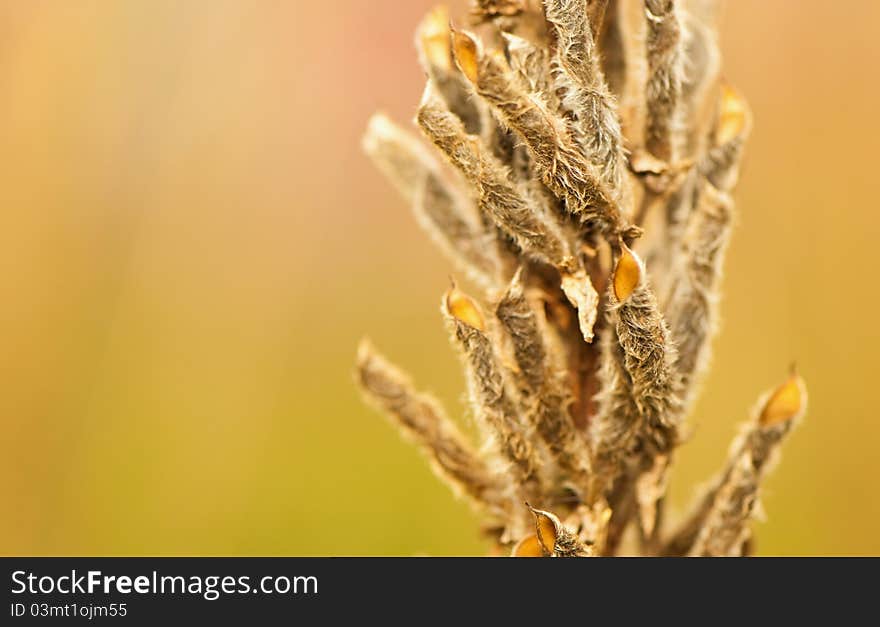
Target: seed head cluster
[(577, 165)]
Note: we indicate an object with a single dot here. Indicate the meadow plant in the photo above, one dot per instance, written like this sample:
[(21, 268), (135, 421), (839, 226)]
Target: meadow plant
[(577, 166)]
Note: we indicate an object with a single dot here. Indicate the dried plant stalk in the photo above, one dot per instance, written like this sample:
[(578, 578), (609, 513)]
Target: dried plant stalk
[(585, 136)]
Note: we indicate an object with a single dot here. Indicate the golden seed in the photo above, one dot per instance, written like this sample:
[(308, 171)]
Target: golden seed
[(627, 273), (465, 49), (785, 403), (463, 308)]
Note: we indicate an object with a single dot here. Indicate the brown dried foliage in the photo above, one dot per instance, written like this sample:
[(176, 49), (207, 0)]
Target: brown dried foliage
[(586, 156)]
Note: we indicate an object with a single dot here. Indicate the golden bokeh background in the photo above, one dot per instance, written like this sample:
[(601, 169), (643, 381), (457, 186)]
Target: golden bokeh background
[(192, 245)]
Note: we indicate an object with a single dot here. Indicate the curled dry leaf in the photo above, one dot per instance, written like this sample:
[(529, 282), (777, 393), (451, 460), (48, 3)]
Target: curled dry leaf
[(579, 291)]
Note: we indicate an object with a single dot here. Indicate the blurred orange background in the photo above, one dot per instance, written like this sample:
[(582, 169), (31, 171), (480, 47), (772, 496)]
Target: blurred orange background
[(192, 244)]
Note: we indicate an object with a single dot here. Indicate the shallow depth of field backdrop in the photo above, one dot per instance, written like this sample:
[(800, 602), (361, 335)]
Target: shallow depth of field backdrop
[(191, 245)]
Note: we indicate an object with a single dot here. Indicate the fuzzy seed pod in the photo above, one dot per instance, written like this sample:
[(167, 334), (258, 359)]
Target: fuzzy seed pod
[(499, 197), (640, 405), (492, 405), (719, 524), (612, 429), (509, 207), (441, 210), (421, 419), (721, 164), (434, 42), (531, 66), (665, 71), (542, 389), (694, 300), (648, 354), (531, 69), (579, 75), (563, 167), (550, 539), (519, 320), (699, 89)]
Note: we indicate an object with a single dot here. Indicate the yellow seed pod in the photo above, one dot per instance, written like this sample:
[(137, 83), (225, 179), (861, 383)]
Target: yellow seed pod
[(529, 546), (787, 402), (733, 117), (466, 55), (547, 528), (627, 273), (463, 308), (435, 38)]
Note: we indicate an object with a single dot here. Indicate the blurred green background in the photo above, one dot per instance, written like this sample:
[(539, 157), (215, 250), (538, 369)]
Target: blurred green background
[(191, 245)]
